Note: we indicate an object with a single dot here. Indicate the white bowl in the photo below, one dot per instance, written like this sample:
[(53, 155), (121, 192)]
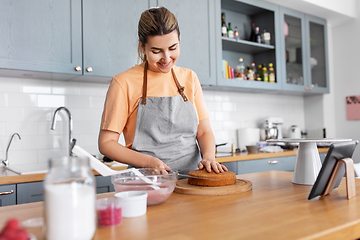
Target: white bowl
[(133, 203)]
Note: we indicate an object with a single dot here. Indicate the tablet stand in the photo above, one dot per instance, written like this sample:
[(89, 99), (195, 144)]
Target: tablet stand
[(350, 177)]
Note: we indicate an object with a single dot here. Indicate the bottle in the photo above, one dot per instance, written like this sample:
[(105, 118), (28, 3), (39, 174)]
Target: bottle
[(223, 25), (236, 34), (253, 68), (258, 75), (264, 73), (271, 73), (70, 196), (240, 69), (266, 37), (230, 32), (257, 35), (250, 73), (252, 34)]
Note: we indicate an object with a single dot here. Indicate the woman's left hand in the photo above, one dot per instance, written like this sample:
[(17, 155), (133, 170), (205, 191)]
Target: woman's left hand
[(212, 164)]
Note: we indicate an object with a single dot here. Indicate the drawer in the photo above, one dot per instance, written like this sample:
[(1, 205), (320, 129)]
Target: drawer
[(8, 198), (262, 165), (30, 192), (103, 184)]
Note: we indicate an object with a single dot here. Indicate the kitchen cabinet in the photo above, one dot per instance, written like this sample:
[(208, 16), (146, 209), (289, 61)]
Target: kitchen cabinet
[(8, 196), (197, 36), (91, 38), (262, 165), (241, 14), (30, 192), (304, 52), (103, 184)]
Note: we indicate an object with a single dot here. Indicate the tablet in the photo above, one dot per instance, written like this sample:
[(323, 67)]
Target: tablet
[(337, 151)]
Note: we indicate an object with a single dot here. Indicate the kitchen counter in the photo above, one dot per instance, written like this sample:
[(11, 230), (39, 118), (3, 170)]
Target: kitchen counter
[(8, 177), (274, 209), (245, 156)]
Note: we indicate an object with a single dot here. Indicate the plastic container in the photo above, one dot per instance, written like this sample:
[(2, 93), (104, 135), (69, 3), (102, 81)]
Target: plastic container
[(133, 203), (70, 195), (158, 186), (109, 211)]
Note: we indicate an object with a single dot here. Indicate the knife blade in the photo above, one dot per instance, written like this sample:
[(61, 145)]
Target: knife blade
[(184, 175)]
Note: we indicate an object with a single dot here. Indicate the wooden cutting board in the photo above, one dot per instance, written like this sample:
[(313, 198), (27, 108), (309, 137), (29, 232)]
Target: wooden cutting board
[(240, 186)]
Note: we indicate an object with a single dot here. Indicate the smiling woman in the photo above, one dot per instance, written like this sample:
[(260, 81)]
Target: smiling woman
[(158, 106)]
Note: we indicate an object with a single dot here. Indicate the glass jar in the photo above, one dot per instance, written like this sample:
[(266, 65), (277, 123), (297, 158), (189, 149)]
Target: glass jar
[(70, 196)]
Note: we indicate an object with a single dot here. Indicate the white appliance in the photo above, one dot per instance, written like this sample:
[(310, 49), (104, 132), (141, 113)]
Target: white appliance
[(247, 136), (294, 132), (274, 122)]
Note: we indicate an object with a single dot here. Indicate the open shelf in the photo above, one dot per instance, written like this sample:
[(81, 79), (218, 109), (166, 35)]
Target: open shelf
[(244, 46)]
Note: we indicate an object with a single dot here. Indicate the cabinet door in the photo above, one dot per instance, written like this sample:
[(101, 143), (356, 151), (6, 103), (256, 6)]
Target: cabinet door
[(318, 55), (197, 40), (110, 35), (41, 35), (293, 50), (8, 195), (261, 165), (30, 192), (104, 185)]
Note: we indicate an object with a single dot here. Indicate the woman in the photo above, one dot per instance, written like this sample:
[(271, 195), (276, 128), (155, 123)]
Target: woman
[(158, 106)]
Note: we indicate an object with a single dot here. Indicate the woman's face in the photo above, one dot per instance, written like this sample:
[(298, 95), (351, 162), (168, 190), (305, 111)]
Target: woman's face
[(162, 52)]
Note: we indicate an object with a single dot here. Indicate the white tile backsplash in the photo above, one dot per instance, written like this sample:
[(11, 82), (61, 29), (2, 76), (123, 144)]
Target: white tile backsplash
[(27, 107)]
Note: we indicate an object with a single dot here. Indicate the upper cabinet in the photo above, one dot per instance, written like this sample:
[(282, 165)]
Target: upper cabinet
[(197, 36), (91, 38), (304, 52), (241, 15), (43, 36)]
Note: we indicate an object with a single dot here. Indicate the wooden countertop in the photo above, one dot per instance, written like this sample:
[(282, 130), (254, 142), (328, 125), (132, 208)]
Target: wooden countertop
[(8, 177), (274, 209), (245, 156)]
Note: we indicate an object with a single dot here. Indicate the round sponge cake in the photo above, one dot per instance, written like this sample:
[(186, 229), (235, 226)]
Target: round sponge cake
[(223, 179)]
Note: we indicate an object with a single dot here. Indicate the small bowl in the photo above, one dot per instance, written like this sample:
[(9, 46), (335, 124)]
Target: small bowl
[(252, 148), (133, 202), (161, 189), (109, 211)]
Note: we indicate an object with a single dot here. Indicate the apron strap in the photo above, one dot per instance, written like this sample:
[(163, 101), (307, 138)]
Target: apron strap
[(179, 87), (143, 99)]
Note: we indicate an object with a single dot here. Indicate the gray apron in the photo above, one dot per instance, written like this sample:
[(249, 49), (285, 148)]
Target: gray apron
[(166, 128)]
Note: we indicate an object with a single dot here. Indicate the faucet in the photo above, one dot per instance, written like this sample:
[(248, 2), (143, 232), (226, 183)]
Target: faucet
[(6, 161), (72, 141)]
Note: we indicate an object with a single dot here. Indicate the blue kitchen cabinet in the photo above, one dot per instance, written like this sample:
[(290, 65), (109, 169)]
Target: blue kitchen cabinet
[(103, 184), (198, 46), (262, 165), (304, 52), (30, 192), (241, 14), (8, 195), (70, 37), (41, 36)]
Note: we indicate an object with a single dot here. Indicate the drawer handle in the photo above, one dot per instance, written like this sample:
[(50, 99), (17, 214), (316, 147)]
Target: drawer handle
[(273, 162), (7, 193)]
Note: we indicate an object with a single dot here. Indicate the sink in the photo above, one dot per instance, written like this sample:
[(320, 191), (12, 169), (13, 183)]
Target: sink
[(27, 169)]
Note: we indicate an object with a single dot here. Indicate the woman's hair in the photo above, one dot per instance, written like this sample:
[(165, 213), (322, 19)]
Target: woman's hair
[(155, 22)]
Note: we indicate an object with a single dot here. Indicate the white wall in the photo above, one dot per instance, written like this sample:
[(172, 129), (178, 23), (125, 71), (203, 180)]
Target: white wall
[(346, 52), (27, 107)]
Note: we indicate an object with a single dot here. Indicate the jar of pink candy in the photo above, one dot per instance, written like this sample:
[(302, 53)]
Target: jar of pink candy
[(109, 211)]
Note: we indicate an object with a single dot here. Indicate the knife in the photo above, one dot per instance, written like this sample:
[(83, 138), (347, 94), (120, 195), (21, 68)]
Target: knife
[(184, 175)]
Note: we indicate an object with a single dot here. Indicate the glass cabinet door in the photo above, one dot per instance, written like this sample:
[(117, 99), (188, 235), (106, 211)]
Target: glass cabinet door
[(293, 43), (318, 73)]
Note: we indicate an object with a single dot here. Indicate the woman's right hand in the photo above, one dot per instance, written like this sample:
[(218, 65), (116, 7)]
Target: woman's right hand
[(157, 163)]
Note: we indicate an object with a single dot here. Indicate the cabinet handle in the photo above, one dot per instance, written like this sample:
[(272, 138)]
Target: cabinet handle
[(273, 162), (310, 89), (78, 68), (306, 88), (7, 193), (89, 69)]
